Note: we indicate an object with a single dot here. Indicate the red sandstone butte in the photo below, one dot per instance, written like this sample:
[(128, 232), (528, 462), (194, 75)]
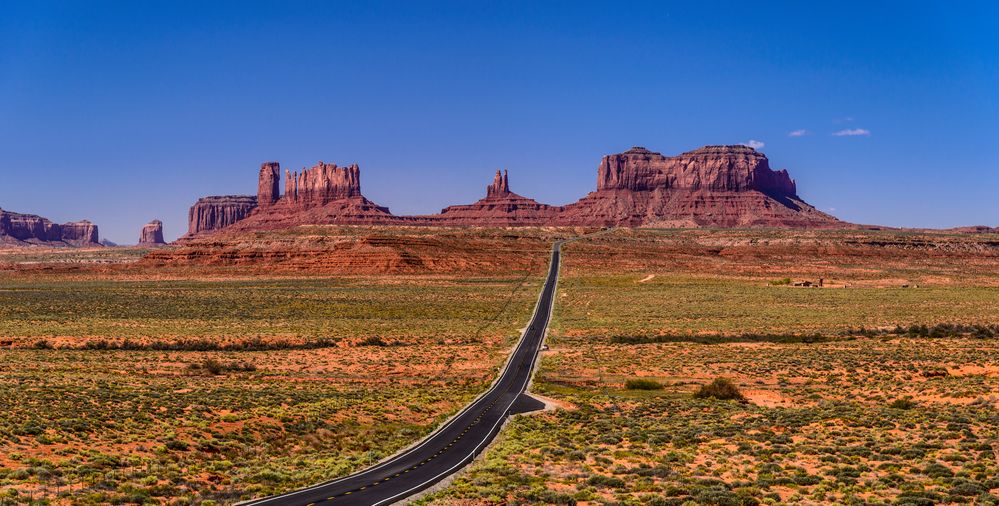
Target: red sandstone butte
[(713, 186), (499, 208), (24, 229), (218, 212), (152, 234)]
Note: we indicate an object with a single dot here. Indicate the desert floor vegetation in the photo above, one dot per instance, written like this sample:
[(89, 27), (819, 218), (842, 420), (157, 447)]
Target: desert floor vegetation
[(128, 390), (866, 392), (125, 381)]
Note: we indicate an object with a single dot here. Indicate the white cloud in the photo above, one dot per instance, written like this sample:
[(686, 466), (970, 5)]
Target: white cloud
[(852, 132), (754, 144), (798, 133)]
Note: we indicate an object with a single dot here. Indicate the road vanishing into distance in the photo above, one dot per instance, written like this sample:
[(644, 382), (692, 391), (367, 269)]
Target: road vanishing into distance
[(456, 443)]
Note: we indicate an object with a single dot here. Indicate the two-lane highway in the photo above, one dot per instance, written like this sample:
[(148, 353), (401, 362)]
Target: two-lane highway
[(456, 443)]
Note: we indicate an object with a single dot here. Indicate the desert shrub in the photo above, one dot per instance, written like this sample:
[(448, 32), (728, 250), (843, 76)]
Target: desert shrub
[(967, 488), (214, 367), (904, 403), (600, 480), (722, 339), (548, 497), (720, 388), (254, 344), (780, 282), (940, 330), (936, 372), (42, 344), (935, 470), (372, 341), (642, 384), (177, 446)]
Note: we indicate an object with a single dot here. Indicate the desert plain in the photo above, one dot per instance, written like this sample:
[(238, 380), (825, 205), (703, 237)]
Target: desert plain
[(216, 371)]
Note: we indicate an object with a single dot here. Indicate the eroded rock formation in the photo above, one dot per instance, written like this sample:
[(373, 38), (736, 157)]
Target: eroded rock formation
[(17, 229), (500, 186), (268, 186), (321, 184), (152, 234), (714, 168), (217, 212), (713, 186), (500, 208)]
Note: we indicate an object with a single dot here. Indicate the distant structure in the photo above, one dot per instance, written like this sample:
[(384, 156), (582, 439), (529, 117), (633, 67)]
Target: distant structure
[(24, 229), (500, 186), (152, 234), (268, 187), (712, 186)]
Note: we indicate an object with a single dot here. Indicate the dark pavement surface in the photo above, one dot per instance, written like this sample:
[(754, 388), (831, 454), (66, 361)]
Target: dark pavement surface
[(454, 445)]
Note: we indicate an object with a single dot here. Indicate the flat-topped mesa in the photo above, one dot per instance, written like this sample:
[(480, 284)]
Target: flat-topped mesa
[(500, 186), (217, 212), (321, 184), (712, 186), (20, 228), (152, 234), (79, 233), (268, 185), (716, 168)]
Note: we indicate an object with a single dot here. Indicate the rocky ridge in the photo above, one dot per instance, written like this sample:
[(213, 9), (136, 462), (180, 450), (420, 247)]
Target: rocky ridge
[(218, 212), (713, 186), (23, 229)]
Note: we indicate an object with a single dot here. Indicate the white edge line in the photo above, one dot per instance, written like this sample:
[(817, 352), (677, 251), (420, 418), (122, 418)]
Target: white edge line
[(441, 428), (503, 417)]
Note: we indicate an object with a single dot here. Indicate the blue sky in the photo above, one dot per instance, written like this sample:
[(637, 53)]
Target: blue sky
[(122, 112)]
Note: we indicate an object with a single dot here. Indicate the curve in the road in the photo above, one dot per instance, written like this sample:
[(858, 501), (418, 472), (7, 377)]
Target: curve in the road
[(453, 445)]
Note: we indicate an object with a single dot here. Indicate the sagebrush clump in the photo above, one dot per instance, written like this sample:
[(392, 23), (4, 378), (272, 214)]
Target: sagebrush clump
[(720, 388)]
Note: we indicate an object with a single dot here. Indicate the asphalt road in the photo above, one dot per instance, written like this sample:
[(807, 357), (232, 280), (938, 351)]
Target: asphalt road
[(453, 445)]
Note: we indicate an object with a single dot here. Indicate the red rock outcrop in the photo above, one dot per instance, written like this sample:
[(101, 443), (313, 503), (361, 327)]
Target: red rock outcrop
[(21, 229), (80, 233), (217, 212), (500, 186), (325, 193), (152, 234), (715, 168), (268, 186), (321, 184), (500, 208), (713, 186)]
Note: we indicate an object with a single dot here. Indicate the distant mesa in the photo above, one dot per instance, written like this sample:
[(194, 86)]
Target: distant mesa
[(713, 186), (975, 229), (218, 212), (152, 234), (18, 229)]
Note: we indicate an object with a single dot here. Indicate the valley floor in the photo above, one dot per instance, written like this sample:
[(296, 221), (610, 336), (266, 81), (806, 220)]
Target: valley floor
[(199, 378)]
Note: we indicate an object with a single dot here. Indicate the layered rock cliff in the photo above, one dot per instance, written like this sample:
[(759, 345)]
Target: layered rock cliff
[(268, 184), (17, 229), (500, 208), (714, 168), (217, 212), (713, 186), (321, 184), (152, 234)]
